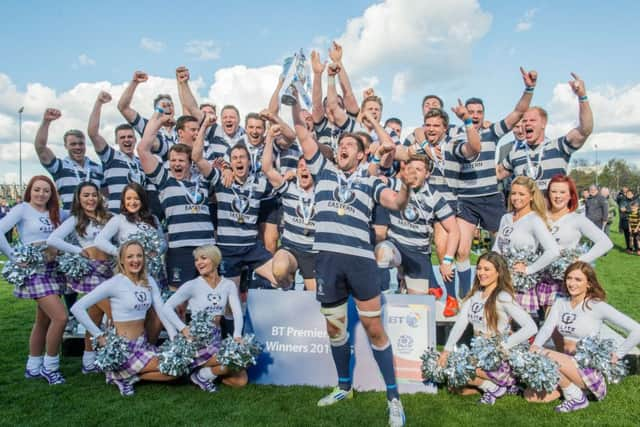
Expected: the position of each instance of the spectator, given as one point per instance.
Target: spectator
(634, 227)
(4, 210)
(582, 202)
(624, 204)
(596, 208)
(611, 208)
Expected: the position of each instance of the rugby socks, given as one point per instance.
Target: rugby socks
(342, 358)
(572, 392)
(207, 374)
(384, 359)
(34, 363)
(88, 359)
(51, 363)
(488, 386)
(464, 277)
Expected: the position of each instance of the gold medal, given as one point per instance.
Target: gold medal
(194, 209)
(340, 211)
(240, 219)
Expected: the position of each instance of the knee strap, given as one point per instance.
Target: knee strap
(387, 255)
(334, 315)
(372, 313)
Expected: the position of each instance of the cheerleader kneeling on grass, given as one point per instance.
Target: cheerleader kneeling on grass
(579, 317)
(489, 308)
(131, 293)
(209, 292)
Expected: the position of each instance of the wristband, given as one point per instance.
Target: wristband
(420, 148)
(159, 110)
(468, 122)
(447, 260)
(583, 98)
(331, 80)
(375, 159)
(529, 89)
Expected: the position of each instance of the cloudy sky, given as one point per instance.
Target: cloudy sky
(60, 54)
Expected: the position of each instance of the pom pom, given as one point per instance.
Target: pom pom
(151, 243)
(175, 356)
(567, 257)
(595, 353)
(460, 367)
(28, 260)
(201, 326)
(239, 355)
(431, 371)
(114, 354)
(535, 370)
(522, 282)
(486, 352)
(74, 266)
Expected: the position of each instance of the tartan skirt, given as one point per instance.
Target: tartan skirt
(42, 284)
(207, 352)
(503, 376)
(528, 300)
(594, 381)
(100, 271)
(547, 290)
(140, 354)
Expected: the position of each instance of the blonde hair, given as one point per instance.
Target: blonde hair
(209, 251)
(537, 203)
(142, 275)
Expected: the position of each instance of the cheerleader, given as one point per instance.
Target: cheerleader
(524, 228)
(580, 315)
(209, 291)
(88, 216)
(135, 216)
(131, 294)
(568, 228)
(35, 219)
(489, 307)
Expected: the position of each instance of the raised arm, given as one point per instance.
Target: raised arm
(350, 101)
(148, 161)
(305, 138)
(578, 136)
(333, 107)
(317, 111)
(274, 101)
(529, 78)
(397, 201)
(45, 155)
(187, 100)
(285, 130)
(124, 104)
(275, 179)
(473, 146)
(93, 129)
(197, 151)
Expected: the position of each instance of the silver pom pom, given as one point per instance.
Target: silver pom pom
(486, 352)
(29, 260)
(115, 352)
(175, 356)
(74, 266)
(151, 243)
(522, 282)
(595, 353)
(535, 370)
(431, 371)
(201, 326)
(460, 367)
(567, 257)
(239, 355)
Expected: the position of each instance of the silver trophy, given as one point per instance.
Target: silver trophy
(296, 73)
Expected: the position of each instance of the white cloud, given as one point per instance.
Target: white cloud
(399, 87)
(151, 45)
(84, 60)
(363, 83)
(427, 38)
(249, 89)
(204, 50)
(526, 22)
